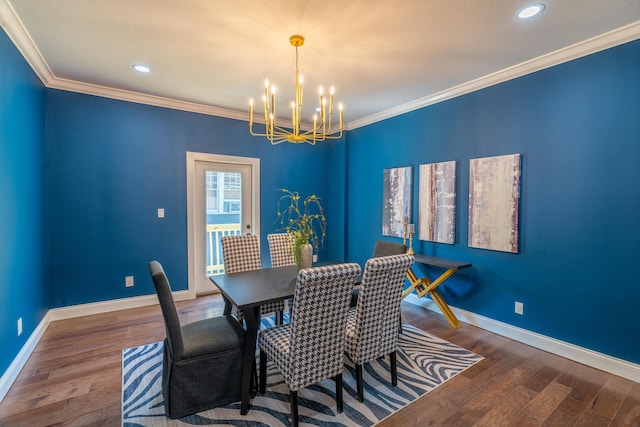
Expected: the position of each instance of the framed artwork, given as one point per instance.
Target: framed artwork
(437, 222)
(494, 196)
(396, 196)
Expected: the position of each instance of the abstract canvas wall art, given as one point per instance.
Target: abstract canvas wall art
(396, 196)
(437, 222)
(494, 195)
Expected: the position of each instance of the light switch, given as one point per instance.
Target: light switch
(160, 212)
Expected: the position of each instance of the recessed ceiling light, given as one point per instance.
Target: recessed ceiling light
(530, 11)
(141, 68)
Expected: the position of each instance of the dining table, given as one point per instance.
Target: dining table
(248, 290)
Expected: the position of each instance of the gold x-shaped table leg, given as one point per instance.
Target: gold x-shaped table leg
(423, 286)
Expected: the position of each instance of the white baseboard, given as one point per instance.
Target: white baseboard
(20, 360)
(582, 355)
(109, 306)
(10, 375)
(615, 366)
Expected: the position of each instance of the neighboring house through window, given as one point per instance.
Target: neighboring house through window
(225, 199)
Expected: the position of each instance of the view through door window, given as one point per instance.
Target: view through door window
(223, 212)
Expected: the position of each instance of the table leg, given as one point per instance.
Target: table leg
(446, 310)
(251, 316)
(423, 286)
(227, 307)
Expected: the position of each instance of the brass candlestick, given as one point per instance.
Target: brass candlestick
(404, 233)
(411, 232)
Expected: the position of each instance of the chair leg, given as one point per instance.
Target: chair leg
(394, 369)
(263, 372)
(254, 379)
(339, 392)
(293, 395)
(359, 383)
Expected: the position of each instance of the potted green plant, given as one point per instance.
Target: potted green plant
(307, 224)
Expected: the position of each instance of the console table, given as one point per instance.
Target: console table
(424, 286)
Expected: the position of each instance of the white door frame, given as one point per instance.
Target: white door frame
(192, 158)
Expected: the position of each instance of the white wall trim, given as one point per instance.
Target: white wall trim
(109, 306)
(20, 360)
(567, 350)
(586, 47)
(24, 43)
(582, 355)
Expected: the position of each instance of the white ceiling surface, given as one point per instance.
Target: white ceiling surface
(381, 56)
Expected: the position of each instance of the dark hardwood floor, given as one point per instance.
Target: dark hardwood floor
(73, 378)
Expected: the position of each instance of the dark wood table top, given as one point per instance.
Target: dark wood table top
(441, 262)
(257, 287)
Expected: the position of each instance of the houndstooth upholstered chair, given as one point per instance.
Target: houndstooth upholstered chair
(282, 255)
(202, 360)
(372, 326)
(280, 248)
(383, 248)
(242, 253)
(311, 347)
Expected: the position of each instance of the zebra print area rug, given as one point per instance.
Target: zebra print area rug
(424, 362)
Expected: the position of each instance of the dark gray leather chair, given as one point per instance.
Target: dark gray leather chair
(202, 363)
(382, 249)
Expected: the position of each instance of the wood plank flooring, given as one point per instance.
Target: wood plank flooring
(73, 378)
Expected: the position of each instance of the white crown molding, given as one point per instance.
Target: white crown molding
(142, 98)
(23, 41)
(604, 41)
(564, 349)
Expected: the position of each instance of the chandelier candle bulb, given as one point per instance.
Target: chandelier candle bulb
(273, 101)
(300, 85)
(315, 125)
(266, 111)
(331, 101)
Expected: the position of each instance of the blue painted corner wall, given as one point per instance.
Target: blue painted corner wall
(577, 126)
(112, 164)
(23, 220)
(81, 178)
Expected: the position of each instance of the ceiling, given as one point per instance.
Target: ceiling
(383, 57)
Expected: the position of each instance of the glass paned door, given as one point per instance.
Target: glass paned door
(223, 208)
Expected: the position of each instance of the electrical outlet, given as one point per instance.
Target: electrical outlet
(128, 281)
(519, 309)
(315, 257)
(20, 326)
(160, 212)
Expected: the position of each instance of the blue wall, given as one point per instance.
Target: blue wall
(578, 128)
(112, 164)
(23, 256)
(108, 165)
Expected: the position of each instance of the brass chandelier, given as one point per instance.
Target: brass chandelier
(321, 125)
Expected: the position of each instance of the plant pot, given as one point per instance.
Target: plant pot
(306, 256)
